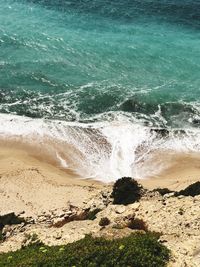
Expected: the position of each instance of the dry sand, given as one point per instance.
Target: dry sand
(30, 184)
(33, 184)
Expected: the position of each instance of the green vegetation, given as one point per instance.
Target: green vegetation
(91, 215)
(137, 224)
(31, 238)
(191, 190)
(141, 250)
(10, 219)
(104, 221)
(1, 236)
(126, 191)
(118, 226)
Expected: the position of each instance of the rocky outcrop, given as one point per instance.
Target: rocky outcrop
(177, 219)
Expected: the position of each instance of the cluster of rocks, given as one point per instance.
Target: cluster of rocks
(13, 223)
(176, 217)
(101, 200)
(58, 217)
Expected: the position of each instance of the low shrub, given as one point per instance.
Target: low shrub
(10, 219)
(118, 226)
(126, 191)
(191, 190)
(31, 238)
(104, 221)
(1, 236)
(141, 250)
(91, 215)
(137, 224)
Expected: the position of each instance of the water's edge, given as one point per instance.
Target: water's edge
(103, 151)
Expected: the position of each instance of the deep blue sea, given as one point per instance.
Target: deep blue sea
(112, 81)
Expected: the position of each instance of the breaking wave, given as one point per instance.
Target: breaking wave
(106, 150)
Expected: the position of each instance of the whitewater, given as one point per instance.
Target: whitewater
(106, 88)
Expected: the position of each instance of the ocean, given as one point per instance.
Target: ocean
(106, 87)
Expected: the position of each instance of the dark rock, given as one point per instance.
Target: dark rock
(104, 221)
(191, 190)
(9, 219)
(196, 121)
(162, 191)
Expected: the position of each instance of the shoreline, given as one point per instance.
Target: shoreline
(55, 205)
(34, 183)
(104, 152)
(184, 170)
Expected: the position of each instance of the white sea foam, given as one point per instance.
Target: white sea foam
(103, 150)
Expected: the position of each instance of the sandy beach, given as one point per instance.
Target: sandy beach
(30, 184)
(100, 132)
(184, 170)
(33, 184)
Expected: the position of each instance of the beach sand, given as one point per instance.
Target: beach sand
(32, 184)
(183, 171)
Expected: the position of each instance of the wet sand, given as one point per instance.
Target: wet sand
(33, 183)
(183, 171)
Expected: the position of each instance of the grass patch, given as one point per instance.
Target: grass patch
(141, 250)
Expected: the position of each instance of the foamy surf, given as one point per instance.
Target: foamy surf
(103, 151)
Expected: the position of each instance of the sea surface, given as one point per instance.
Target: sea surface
(110, 85)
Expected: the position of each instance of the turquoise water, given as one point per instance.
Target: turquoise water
(74, 60)
(133, 62)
